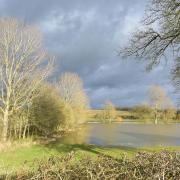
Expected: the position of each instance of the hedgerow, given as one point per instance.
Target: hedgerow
(145, 166)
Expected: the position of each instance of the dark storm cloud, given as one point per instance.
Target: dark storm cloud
(84, 35)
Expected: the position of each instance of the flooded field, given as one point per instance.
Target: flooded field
(133, 135)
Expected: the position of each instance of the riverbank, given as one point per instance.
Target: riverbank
(23, 158)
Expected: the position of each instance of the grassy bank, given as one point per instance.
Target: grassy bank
(24, 157)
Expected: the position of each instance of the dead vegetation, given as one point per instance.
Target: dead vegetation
(145, 166)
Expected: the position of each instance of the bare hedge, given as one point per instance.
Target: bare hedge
(144, 166)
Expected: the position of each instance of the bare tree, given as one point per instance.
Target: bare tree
(109, 112)
(159, 34)
(159, 101)
(71, 90)
(23, 65)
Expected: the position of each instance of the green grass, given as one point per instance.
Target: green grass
(25, 156)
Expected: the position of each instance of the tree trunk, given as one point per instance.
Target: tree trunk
(15, 132)
(24, 132)
(156, 115)
(28, 131)
(20, 129)
(156, 120)
(5, 125)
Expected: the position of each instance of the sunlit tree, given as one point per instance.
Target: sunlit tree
(24, 64)
(109, 112)
(159, 101)
(49, 113)
(71, 90)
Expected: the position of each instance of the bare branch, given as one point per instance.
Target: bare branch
(161, 32)
(24, 64)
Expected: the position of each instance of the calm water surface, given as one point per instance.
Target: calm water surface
(133, 135)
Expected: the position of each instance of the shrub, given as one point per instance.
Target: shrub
(169, 114)
(178, 117)
(143, 112)
(49, 113)
(145, 166)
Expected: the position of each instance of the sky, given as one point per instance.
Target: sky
(85, 36)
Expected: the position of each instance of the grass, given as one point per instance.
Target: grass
(24, 157)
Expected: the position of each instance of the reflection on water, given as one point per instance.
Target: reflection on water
(126, 135)
(79, 137)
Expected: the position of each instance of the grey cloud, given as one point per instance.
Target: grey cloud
(84, 36)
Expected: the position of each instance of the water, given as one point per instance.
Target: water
(133, 135)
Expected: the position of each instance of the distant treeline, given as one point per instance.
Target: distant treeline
(158, 108)
(140, 112)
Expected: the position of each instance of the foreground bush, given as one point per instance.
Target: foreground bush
(49, 113)
(146, 166)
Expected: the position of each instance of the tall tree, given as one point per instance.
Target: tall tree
(24, 64)
(159, 101)
(109, 113)
(71, 89)
(72, 92)
(159, 34)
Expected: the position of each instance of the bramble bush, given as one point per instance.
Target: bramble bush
(144, 166)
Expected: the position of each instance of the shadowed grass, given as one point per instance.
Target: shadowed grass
(24, 157)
